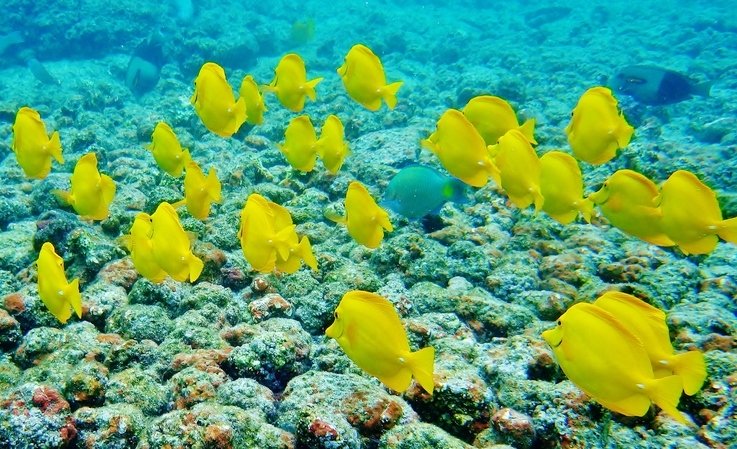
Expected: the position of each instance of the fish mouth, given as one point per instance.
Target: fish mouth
(552, 338)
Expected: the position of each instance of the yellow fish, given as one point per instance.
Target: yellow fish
(332, 147)
(597, 128)
(34, 148)
(255, 106)
(91, 192)
(370, 332)
(200, 191)
(215, 103)
(462, 150)
(59, 296)
(605, 360)
(290, 83)
(561, 185)
(140, 245)
(300, 144)
(365, 220)
(493, 117)
(647, 323)
(520, 169)
(268, 237)
(167, 150)
(627, 200)
(364, 79)
(171, 246)
(691, 214)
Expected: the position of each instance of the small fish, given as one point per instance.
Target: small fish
(417, 191)
(300, 144)
(255, 106)
(40, 73)
(627, 200)
(331, 146)
(561, 185)
(546, 15)
(200, 191)
(493, 116)
(140, 244)
(32, 146)
(364, 79)
(520, 169)
(364, 219)
(691, 214)
(303, 31)
(605, 360)
(215, 103)
(59, 296)
(91, 192)
(269, 240)
(171, 246)
(648, 324)
(167, 151)
(656, 86)
(462, 150)
(144, 66)
(597, 128)
(290, 83)
(368, 329)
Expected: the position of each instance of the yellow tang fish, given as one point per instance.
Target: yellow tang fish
(91, 192)
(255, 106)
(648, 324)
(34, 148)
(268, 237)
(370, 332)
(493, 117)
(215, 103)
(462, 150)
(597, 128)
(561, 185)
(299, 147)
(365, 220)
(290, 83)
(140, 245)
(167, 150)
(627, 200)
(200, 191)
(691, 214)
(171, 246)
(59, 296)
(299, 249)
(332, 147)
(605, 360)
(520, 169)
(364, 79)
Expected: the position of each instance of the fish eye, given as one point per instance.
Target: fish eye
(559, 323)
(335, 315)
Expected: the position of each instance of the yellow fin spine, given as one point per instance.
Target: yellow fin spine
(389, 93)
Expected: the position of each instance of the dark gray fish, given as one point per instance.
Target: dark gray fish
(39, 71)
(542, 16)
(144, 67)
(656, 86)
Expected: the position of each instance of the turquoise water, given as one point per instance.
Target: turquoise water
(238, 358)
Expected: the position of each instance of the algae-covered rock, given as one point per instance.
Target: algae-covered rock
(35, 416)
(140, 388)
(140, 322)
(420, 434)
(94, 425)
(192, 385)
(208, 425)
(327, 410)
(277, 350)
(249, 395)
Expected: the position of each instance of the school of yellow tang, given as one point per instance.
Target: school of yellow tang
(617, 349)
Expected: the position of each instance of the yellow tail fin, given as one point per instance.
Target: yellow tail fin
(728, 230)
(214, 189)
(310, 88)
(665, 393)
(239, 114)
(75, 298)
(389, 93)
(586, 208)
(63, 197)
(195, 268)
(528, 129)
(692, 369)
(55, 147)
(305, 250)
(422, 365)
